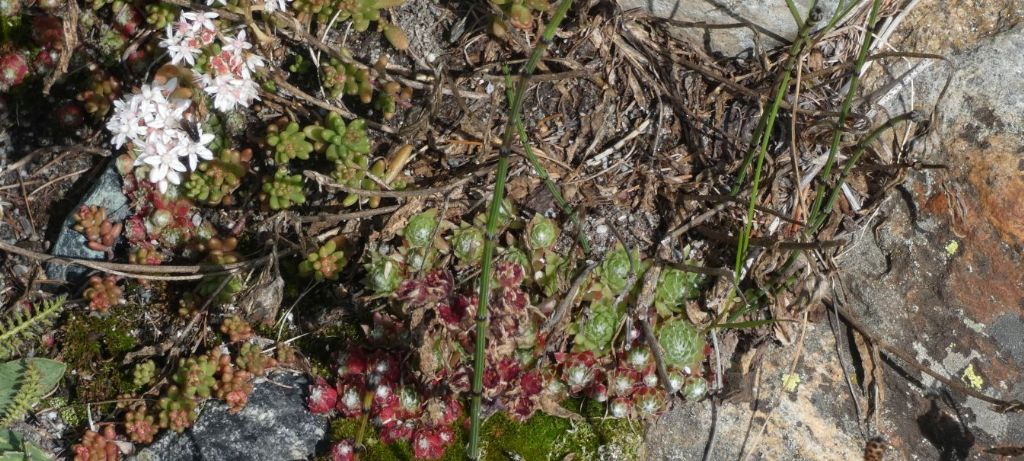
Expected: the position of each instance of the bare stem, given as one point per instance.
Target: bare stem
(515, 105)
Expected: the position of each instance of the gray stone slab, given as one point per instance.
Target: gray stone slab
(274, 426)
(107, 193)
(771, 20)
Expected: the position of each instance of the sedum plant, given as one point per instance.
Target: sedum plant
(324, 263)
(345, 79)
(289, 142)
(100, 234)
(283, 190)
(214, 180)
(102, 293)
(338, 141)
(363, 12)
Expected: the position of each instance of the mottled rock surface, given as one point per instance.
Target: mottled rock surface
(939, 273)
(106, 192)
(944, 277)
(274, 426)
(768, 19)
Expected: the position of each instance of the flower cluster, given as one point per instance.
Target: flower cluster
(153, 120)
(226, 71)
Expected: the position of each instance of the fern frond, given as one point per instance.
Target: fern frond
(25, 398)
(20, 326)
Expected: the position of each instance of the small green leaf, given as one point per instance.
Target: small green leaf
(50, 372)
(13, 448)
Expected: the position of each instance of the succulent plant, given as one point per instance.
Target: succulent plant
(127, 19)
(222, 288)
(520, 12)
(176, 411)
(383, 274)
(170, 220)
(649, 401)
(681, 343)
(323, 9)
(140, 426)
(340, 142)
(392, 96)
(97, 446)
(236, 328)
(322, 397)
(195, 376)
(541, 232)
(13, 70)
(431, 442)
(695, 388)
(100, 93)
(599, 327)
(352, 172)
(102, 293)
(324, 263)
(143, 374)
(145, 253)
(350, 399)
(616, 268)
(233, 385)
(285, 354)
(363, 12)
(221, 251)
(420, 229)
(100, 234)
(343, 450)
(289, 142)
(346, 79)
(283, 190)
(468, 244)
(253, 360)
(675, 287)
(160, 15)
(396, 37)
(213, 181)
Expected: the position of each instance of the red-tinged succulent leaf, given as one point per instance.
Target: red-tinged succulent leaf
(428, 444)
(343, 451)
(349, 399)
(322, 397)
(509, 274)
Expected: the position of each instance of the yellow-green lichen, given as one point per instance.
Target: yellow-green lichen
(790, 381)
(951, 248)
(972, 378)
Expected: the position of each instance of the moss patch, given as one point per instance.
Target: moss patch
(94, 346)
(542, 437)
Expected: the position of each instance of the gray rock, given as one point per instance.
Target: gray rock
(107, 193)
(274, 426)
(770, 19)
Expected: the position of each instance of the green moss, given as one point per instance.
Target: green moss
(542, 437)
(94, 346)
